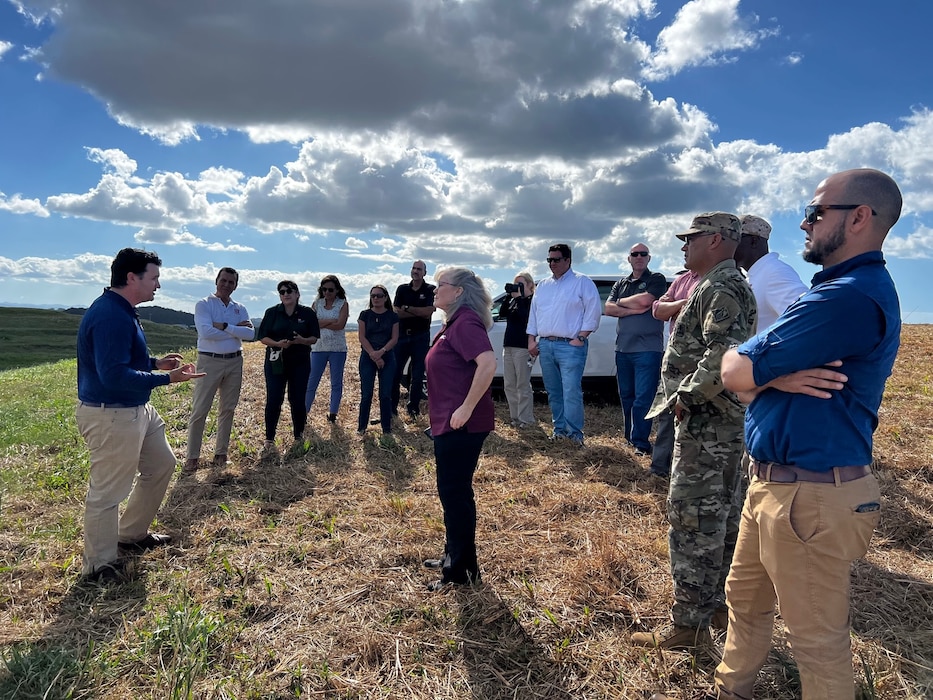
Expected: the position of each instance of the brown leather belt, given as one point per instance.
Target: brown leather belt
(788, 473)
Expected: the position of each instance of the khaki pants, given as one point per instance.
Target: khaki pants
(796, 543)
(124, 444)
(516, 379)
(225, 375)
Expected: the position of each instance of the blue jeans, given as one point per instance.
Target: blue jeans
(637, 374)
(415, 347)
(562, 371)
(319, 361)
(368, 372)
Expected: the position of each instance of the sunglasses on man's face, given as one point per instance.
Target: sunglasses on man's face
(553, 261)
(814, 212)
(639, 253)
(284, 291)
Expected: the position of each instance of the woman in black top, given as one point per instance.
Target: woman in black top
(378, 336)
(288, 330)
(516, 362)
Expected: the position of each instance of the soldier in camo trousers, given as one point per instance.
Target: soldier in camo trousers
(703, 505)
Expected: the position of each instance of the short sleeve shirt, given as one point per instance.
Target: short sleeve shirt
(450, 368)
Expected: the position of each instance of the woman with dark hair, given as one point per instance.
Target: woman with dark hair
(288, 330)
(516, 361)
(378, 329)
(332, 313)
(460, 367)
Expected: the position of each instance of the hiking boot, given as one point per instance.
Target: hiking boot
(191, 465)
(720, 619)
(674, 637)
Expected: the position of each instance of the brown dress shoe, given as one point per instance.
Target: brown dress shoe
(191, 465)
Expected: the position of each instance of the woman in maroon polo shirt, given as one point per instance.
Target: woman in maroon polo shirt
(460, 366)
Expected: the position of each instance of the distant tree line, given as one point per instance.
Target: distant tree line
(156, 314)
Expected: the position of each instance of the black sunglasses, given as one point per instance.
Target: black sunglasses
(553, 261)
(814, 212)
(287, 290)
(377, 296)
(637, 253)
(328, 290)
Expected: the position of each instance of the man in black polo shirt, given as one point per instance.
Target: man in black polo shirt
(414, 304)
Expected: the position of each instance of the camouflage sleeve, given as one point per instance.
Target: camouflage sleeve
(725, 323)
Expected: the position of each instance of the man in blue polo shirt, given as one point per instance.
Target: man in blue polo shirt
(813, 502)
(124, 434)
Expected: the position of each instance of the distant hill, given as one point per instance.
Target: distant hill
(158, 314)
(34, 336)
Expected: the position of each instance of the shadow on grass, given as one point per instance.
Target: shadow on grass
(61, 664)
(502, 660)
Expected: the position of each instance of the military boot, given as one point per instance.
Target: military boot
(674, 637)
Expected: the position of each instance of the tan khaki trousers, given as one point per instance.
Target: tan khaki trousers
(124, 444)
(226, 376)
(796, 543)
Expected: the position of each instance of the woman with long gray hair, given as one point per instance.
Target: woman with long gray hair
(460, 366)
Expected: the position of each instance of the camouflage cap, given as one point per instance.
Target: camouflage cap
(715, 222)
(755, 226)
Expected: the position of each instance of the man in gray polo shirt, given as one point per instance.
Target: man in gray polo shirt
(639, 344)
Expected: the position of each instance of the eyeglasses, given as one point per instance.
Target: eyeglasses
(288, 290)
(328, 290)
(448, 284)
(380, 295)
(553, 261)
(639, 253)
(694, 236)
(814, 212)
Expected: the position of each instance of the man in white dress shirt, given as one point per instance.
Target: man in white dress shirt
(222, 325)
(775, 284)
(564, 311)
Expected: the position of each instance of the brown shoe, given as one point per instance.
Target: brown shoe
(220, 460)
(673, 637)
(720, 619)
(191, 465)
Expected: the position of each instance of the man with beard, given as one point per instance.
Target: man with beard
(813, 501)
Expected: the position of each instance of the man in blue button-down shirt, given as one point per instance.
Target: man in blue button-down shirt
(813, 502)
(124, 434)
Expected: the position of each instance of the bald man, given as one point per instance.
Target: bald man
(813, 501)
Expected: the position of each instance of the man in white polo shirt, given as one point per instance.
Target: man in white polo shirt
(222, 325)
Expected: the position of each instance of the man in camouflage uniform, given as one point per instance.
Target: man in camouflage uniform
(703, 501)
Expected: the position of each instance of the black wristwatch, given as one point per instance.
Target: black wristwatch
(581, 338)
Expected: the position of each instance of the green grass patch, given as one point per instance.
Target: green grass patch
(31, 337)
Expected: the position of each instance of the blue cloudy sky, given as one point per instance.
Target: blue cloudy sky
(295, 138)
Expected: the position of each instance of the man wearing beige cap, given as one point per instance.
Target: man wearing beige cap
(702, 503)
(775, 283)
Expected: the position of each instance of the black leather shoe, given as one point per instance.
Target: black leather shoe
(150, 541)
(433, 563)
(114, 572)
(440, 585)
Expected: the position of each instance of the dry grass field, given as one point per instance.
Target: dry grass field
(301, 577)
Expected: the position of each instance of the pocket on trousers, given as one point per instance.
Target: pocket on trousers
(804, 514)
(703, 514)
